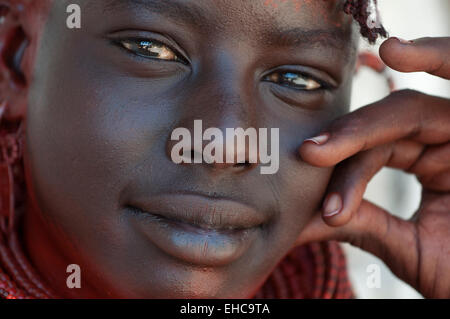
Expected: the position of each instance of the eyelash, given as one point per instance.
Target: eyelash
(142, 47)
(288, 78)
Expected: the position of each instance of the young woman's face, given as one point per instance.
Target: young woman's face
(99, 123)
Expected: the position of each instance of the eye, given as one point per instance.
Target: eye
(152, 49)
(293, 80)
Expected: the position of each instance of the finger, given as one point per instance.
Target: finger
(376, 231)
(370, 222)
(432, 164)
(440, 182)
(433, 170)
(350, 177)
(349, 180)
(348, 184)
(317, 230)
(403, 114)
(430, 55)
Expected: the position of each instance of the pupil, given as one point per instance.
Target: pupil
(290, 76)
(146, 44)
(150, 48)
(294, 79)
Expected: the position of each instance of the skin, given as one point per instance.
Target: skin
(95, 140)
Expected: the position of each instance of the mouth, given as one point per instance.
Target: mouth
(196, 229)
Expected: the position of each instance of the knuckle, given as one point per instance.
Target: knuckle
(349, 125)
(413, 103)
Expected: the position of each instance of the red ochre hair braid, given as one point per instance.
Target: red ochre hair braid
(361, 11)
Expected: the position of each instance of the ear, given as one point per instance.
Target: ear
(13, 43)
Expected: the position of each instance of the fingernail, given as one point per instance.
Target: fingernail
(403, 41)
(319, 140)
(332, 205)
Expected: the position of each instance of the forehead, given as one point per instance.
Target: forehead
(243, 17)
(317, 11)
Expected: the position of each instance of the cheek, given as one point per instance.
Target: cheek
(87, 133)
(301, 188)
(69, 153)
(86, 141)
(306, 187)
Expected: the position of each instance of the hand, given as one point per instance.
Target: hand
(410, 131)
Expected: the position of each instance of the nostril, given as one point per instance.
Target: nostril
(245, 164)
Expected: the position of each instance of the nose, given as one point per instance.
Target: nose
(223, 148)
(220, 114)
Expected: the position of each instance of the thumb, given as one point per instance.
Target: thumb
(376, 231)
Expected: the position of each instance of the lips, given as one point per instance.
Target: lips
(196, 229)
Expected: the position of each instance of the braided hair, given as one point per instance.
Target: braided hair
(365, 13)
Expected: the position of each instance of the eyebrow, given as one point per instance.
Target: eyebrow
(175, 10)
(299, 36)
